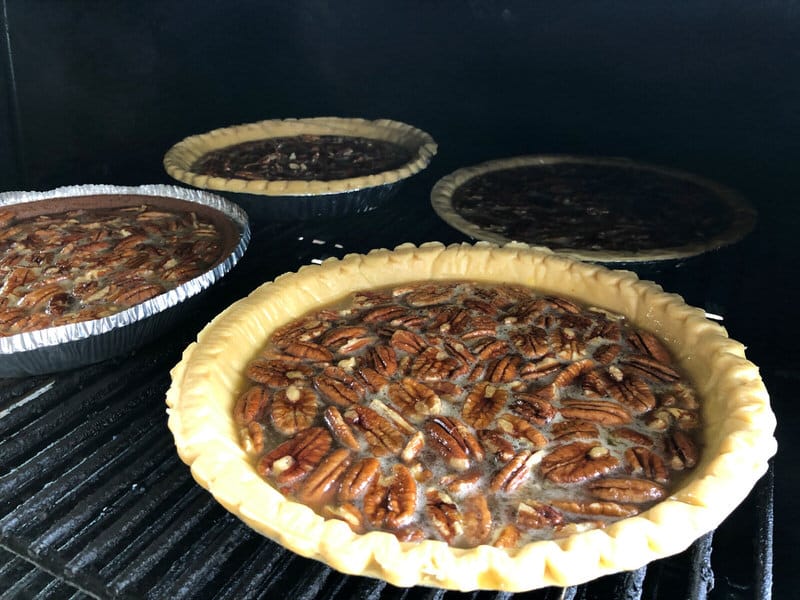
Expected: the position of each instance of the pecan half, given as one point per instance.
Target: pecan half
(454, 443)
(278, 373)
(414, 399)
(646, 463)
(382, 359)
(435, 364)
(495, 442)
(624, 489)
(293, 409)
(382, 436)
(597, 509)
(597, 411)
(297, 456)
(308, 351)
(339, 387)
(534, 407)
(477, 520)
(443, 515)
(503, 369)
(322, 484)
(348, 513)
(340, 429)
(358, 478)
(304, 330)
(522, 430)
(483, 404)
(576, 462)
(650, 368)
(508, 537)
(513, 474)
(401, 498)
(531, 342)
(682, 451)
(574, 430)
(408, 342)
(646, 343)
(537, 515)
(252, 405)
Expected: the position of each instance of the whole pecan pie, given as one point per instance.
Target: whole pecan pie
(304, 167)
(471, 417)
(592, 208)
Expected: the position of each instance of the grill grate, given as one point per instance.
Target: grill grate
(94, 501)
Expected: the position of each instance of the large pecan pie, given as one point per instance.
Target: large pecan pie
(471, 417)
(304, 166)
(599, 209)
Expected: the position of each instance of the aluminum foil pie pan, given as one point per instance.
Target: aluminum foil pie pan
(78, 344)
(294, 199)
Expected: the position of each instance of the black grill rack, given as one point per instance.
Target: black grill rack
(94, 501)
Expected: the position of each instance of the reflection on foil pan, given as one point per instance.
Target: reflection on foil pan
(73, 345)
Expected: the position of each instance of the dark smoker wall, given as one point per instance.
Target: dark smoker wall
(96, 91)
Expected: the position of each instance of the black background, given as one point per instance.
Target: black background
(96, 91)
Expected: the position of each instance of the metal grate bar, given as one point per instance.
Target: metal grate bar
(765, 502)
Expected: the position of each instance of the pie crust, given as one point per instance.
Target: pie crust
(180, 159)
(706, 215)
(738, 422)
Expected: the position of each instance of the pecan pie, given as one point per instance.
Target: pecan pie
(471, 417)
(93, 260)
(603, 209)
(301, 157)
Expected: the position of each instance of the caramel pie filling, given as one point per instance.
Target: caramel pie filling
(592, 207)
(77, 265)
(470, 413)
(304, 158)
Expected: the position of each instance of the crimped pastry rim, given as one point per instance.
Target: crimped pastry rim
(743, 221)
(179, 159)
(739, 422)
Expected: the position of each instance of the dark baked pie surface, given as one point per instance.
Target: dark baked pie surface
(593, 208)
(303, 157)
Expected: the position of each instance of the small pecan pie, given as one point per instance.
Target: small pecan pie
(93, 261)
(471, 417)
(301, 157)
(600, 209)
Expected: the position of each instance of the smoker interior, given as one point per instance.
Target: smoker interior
(94, 501)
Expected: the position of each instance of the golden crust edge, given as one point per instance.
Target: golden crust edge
(733, 461)
(178, 159)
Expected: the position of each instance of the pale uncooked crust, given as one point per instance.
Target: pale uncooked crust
(180, 158)
(743, 216)
(739, 423)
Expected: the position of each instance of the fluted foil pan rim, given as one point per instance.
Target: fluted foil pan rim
(54, 337)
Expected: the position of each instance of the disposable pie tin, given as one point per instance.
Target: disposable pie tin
(293, 199)
(74, 345)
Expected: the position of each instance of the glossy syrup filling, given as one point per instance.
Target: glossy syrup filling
(470, 413)
(304, 158)
(82, 264)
